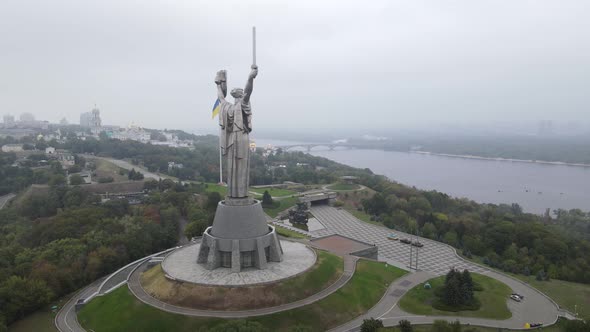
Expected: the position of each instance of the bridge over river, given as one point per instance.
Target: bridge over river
(310, 146)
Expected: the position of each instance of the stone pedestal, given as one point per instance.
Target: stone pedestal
(239, 238)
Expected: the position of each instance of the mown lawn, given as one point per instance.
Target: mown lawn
(41, 321)
(105, 168)
(289, 233)
(212, 187)
(327, 269)
(120, 311)
(344, 186)
(493, 299)
(280, 205)
(274, 192)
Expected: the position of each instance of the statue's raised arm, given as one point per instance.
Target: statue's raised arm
(250, 83)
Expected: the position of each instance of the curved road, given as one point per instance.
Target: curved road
(66, 319)
(5, 199)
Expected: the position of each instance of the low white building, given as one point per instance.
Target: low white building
(50, 150)
(12, 147)
(172, 165)
(66, 160)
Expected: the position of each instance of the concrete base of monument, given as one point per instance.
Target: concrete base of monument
(239, 238)
(181, 265)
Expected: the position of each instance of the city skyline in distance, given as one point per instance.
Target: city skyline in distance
(384, 65)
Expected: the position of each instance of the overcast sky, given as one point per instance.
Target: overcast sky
(323, 64)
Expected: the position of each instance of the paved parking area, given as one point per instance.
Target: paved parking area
(435, 258)
(339, 244)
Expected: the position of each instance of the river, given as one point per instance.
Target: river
(534, 187)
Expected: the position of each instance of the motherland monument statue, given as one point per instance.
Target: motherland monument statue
(235, 121)
(239, 237)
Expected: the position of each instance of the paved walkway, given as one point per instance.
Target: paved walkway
(389, 300)
(5, 199)
(435, 259)
(135, 287)
(66, 319)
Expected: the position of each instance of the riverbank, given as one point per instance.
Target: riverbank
(466, 156)
(533, 185)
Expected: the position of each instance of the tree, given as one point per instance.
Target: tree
(458, 289)
(100, 262)
(467, 286)
(106, 179)
(371, 325)
(451, 294)
(22, 296)
(75, 169)
(76, 180)
(298, 328)
(455, 326)
(150, 184)
(412, 226)
(166, 184)
(416, 204)
(3, 327)
(405, 326)
(213, 198)
(440, 325)
(429, 230)
(41, 145)
(266, 199)
(134, 175)
(450, 237)
(375, 205)
(74, 197)
(195, 228)
(57, 180)
(157, 136)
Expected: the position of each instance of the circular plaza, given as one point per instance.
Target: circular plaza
(181, 265)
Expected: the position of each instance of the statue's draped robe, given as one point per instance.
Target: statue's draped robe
(236, 124)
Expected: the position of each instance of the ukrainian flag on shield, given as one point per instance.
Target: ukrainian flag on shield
(216, 108)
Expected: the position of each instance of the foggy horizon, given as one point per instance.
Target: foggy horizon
(322, 65)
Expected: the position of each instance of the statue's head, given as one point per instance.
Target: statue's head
(237, 93)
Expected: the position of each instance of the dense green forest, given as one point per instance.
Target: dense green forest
(57, 240)
(502, 235)
(17, 178)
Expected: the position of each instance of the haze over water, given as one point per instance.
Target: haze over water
(484, 181)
